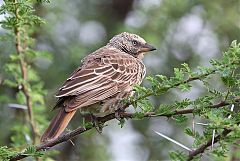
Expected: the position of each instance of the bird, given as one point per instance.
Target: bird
(104, 78)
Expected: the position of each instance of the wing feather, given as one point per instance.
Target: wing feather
(95, 95)
(102, 75)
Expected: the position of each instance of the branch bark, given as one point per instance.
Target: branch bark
(23, 66)
(74, 133)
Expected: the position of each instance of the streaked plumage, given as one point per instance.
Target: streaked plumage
(104, 78)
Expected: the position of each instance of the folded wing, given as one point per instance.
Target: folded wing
(101, 76)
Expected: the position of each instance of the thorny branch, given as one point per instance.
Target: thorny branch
(74, 133)
(20, 51)
(190, 79)
(204, 146)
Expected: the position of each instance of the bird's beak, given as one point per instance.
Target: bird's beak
(146, 48)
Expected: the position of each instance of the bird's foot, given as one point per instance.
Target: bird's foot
(98, 126)
(118, 113)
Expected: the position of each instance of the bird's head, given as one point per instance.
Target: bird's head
(131, 44)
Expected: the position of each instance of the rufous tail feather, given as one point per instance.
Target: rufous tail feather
(57, 125)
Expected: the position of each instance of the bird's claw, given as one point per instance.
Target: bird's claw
(98, 126)
(118, 113)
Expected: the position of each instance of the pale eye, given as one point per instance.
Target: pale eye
(134, 42)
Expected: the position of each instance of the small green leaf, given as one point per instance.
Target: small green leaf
(180, 118)
(178, 156)
(189, 132)
(138, 115)
(185, 87)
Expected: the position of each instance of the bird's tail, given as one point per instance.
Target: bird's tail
(57, 125)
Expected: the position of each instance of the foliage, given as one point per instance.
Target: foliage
(6, 153)
(21, 21)
(219, 117)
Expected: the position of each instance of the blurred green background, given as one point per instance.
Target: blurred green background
(190, 31)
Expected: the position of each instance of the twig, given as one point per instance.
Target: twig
(47, 145)
(74, 133)
(23, 66)
(212, 141)
(177, 84)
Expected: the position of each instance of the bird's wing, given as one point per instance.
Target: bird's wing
(101, 76)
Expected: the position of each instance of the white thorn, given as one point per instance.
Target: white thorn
(232, 108)
(17, 106)
(213, 137)
(174, 141)
(72, 142)
(27, 137)
(193, 124)
(199, 123)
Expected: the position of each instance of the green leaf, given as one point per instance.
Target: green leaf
(178, 156)
(121, 122)
(189, 132)
(185, 87)
(21, 98)
(178, 74)
(6, 153)
(10, 83)
(180, 118)
(186, 68)
(138, 115)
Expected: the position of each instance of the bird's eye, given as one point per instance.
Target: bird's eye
(134, 42)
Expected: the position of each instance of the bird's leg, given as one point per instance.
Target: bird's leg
(118, 112)
(84, 123)
(89, 120)
(98, 126)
